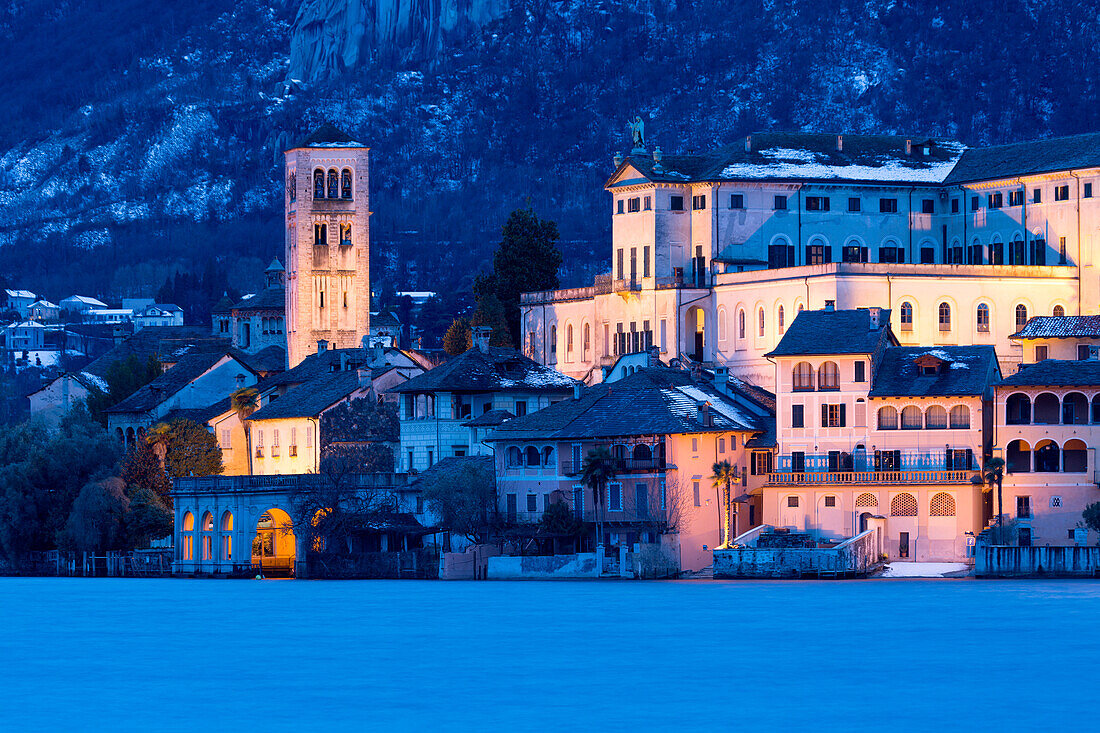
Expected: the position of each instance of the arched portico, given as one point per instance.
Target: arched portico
(274, 547)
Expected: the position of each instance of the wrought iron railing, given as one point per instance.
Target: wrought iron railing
(871, 477)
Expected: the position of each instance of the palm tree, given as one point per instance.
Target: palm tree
(244, 402)
(994, 474)
(721, 477)
(598, 468)
(157, 439)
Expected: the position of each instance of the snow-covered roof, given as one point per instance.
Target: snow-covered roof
(20, 294)
(43, 304)
(86, 300)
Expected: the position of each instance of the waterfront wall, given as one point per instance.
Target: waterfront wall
(999, 561)
(581, 565)
(856, 556)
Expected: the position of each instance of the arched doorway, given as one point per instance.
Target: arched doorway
(695, 326)
(274, 548)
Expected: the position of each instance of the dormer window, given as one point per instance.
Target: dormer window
(928, 365)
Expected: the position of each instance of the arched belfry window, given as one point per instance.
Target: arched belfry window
(333, 184)
(318, 184)
(345, 235)
(345, 184)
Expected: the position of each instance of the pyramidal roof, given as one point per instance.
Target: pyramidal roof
(329, 136)
(275, 266)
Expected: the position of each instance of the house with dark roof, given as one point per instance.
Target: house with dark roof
(1047, 427)
(62, 393)
(437, 405)
(1059, 337)
(158, 314)
(195, 380)
(874, 434)
(664, 430)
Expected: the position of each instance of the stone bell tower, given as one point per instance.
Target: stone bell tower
(327, 203)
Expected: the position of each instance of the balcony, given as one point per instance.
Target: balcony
(856, 478)
(605, 516)
(627, 285)
(619, 465)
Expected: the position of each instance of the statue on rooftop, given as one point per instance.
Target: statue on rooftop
(637, 132)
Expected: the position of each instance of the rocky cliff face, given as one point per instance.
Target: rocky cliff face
(331, 37)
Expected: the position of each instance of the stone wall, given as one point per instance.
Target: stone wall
(998, 561)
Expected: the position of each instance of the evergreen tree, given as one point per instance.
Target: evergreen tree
(490, 312)
(142, 469)
(457, 339)
(192, 451)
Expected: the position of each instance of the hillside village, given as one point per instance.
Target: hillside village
(813, 356)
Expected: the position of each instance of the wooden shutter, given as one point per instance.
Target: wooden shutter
(843, 414)
(824, 416)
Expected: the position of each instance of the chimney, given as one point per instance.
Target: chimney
(908, 147)
(830, 306)
(480, 336)
(322, 346)
(653, 356)
(721, 376)
(364, 376)
(702, 410)
(748, 143)
(578, 390)
(343, 361)
(840, 143)
(875, 314)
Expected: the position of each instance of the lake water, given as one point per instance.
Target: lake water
(197, 655)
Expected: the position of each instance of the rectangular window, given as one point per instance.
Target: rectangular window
(226, 441)
(1015, 198)
(721, 445)
(994, 200)
(695, 492)
(1086, 191)
(954, 206)
(431, 458)
(888, 206)
(1037, 196)
(761, 463)
(1056, 503)
(737, 201)
(1023, 507)
(647, 203)
(817, 203)
(830, 501)
(854, 253)
(1061, 250)
(854, 204)
(815, 254)
(521, 408)
(832, 416)
(792, 502)
(698, 203)
(927, 256)
(645, 261)
(780, 255)
(973, 203)
(798, 462)
(532, 502)
(1040, 353)
(619, 206)
(694, 445)
(780, 203)
(1061, 193)
(1083, 353)
(927, 206)
(861, 375)
(634, 205)
(798, 416)
(676, 203)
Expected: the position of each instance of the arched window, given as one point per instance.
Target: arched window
(828, 376)
(227, 536)
(942, 505)
(333, 184)
(553, 341)
(741, 324)
(318, 184)
(1047, 409)
(887, 418)
(907, 316)
(960, 417)
(188, 549)
(569, 340)
(345, 235)
(1047, 459)
(1018, 409)
(1075, 409)
(1059, 311)
(935, 418)
(981, 322)
(1021, 316)
(1018, 457)
(760, 322)
(723, 330)
(903, 505)
(866, 499)
(803, 377)
(586, 341)
(1096, 410)
(779, 319)
(345, 184)
(515, 457)
(945, 316)
(548, 456)
(532, 455)
(320, 234)
(1075, 457)
(642, 452)
(911, 418)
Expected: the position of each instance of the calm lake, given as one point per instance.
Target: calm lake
(197, 655)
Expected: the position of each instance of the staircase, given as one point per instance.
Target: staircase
(706, 573)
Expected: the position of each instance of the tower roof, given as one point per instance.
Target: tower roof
(329, 136)
(275, 266)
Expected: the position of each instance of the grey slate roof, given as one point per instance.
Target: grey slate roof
(489, 419)
(823, 332)
(808, 156)
(1052, 327)
(501, 370)
(311, 399)
(183, 372)
(268, 359)
(652, 401)
(162, 342)
(328, 135)
(1026, 158)
(970, 371)
(1056, 373)
(273, 298)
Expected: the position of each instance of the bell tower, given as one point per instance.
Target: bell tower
(327, 204)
